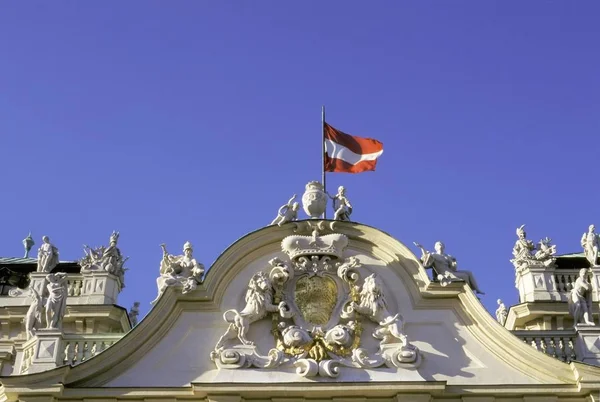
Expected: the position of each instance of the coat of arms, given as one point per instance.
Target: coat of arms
(317, 302)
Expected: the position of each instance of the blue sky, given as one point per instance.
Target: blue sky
(196, 120)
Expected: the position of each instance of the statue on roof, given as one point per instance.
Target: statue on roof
(445, 267)
(47, 257)
(501, 313)
(181, 270)
(112, 260)
(56, 303)
(314, 199)
(580, 300)
(590, 241)
(104, 258)
(133, 314)
(28, 243)
(33, 318)
(525, 253)
(287, 213)
(341, 205)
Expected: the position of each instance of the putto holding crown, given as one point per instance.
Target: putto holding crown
(181, 270)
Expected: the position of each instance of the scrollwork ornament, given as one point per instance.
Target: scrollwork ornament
(317, 308)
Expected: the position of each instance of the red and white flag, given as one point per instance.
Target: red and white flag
(350, 154)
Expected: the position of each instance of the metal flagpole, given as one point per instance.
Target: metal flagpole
(323, 156)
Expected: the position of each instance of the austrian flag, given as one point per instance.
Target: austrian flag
(349, 154)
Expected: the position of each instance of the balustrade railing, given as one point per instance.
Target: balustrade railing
(27, 357)
(558, 344)
(79, 348)
(74, 287)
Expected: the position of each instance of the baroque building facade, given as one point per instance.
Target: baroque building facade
(314, 309)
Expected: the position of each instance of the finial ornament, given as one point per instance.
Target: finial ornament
(445, 268)
(314, 200)
(590, 241)
(28, 243)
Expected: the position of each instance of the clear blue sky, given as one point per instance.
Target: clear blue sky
(196, 120)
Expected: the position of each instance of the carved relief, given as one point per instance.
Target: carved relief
(317, 304)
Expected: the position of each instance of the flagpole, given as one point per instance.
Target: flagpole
(323, 156)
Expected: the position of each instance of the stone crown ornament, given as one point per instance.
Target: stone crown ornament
(332, 245)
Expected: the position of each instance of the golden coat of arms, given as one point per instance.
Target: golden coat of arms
(317, 305)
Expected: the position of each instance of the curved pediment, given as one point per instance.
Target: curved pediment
(342, 303)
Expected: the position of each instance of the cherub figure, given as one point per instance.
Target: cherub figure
(287, 213)
(341, 205)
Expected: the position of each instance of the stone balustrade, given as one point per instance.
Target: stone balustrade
(50, 349)
(539, 283)
(27, 357)
(558, 344)
(79, 348)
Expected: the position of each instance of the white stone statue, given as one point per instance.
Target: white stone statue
(112, 261)
(47, 257)
(103, 258)
(134, 312)
(580, 300)
(314, 199)
(287, 213)
(373, 306)
(445, 267)
(525, 253)
(341, 205)
(523, 248)
(259, 302)
(546, 250)
(33, 318)
(590, 242)
(181, 270)
(56, 304)
(501, 313)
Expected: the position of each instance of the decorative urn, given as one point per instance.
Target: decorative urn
(28, 243)
(314, 200)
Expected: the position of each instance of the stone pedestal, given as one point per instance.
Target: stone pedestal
(100, 287)
(587, 344)
(536, 283)
(38, 279)
(47, 348)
